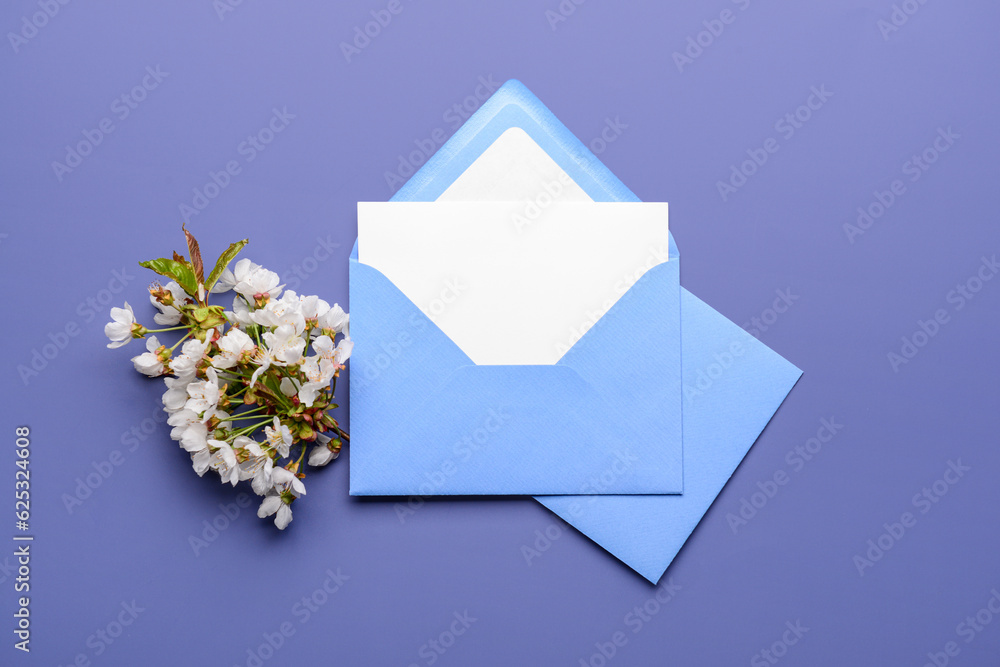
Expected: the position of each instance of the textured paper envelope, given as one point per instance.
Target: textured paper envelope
(480, 391)
(720, 425)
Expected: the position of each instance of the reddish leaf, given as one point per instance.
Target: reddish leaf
(195, 252)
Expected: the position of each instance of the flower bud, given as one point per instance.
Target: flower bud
(161, 294)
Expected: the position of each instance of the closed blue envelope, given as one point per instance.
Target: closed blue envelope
(720, 421)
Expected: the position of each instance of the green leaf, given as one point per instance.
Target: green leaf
(223, 262)
(208, 317)
(182, 274)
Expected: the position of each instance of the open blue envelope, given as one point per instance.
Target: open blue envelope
(606, 419)
(720, 421)
(425, 420)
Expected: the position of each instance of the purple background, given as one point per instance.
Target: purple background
(61, 241)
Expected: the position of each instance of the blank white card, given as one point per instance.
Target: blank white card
(514, 282)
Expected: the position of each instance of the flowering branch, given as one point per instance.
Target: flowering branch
(270, 361)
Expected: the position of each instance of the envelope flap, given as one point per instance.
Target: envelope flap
(395, 344)
(514, 106)
(638, 341)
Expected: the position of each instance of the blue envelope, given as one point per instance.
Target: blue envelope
(721, 421)
(426, 420)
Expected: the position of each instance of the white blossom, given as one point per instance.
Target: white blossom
(285, 311)
(288, 387)
(313, 308)
(148, 363)
(257, 281)
(229, 279)
(337, 354)
(275, 504)
(185, 365)
(256, 466)
(215, 369)
(279, 437)
(119, 329)
(318, 372)
(287, 487)
(223, 461)
(169, 315)
(281, 347)
(286, 480)
(343, 351)
(231, 347)
(240, 313)
(322, 453)
(204, 395)
(180, 420)
(195, 437)
(176, 395)
(335, 319)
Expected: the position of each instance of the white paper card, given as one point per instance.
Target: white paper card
(514, 168)
(503, 292)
